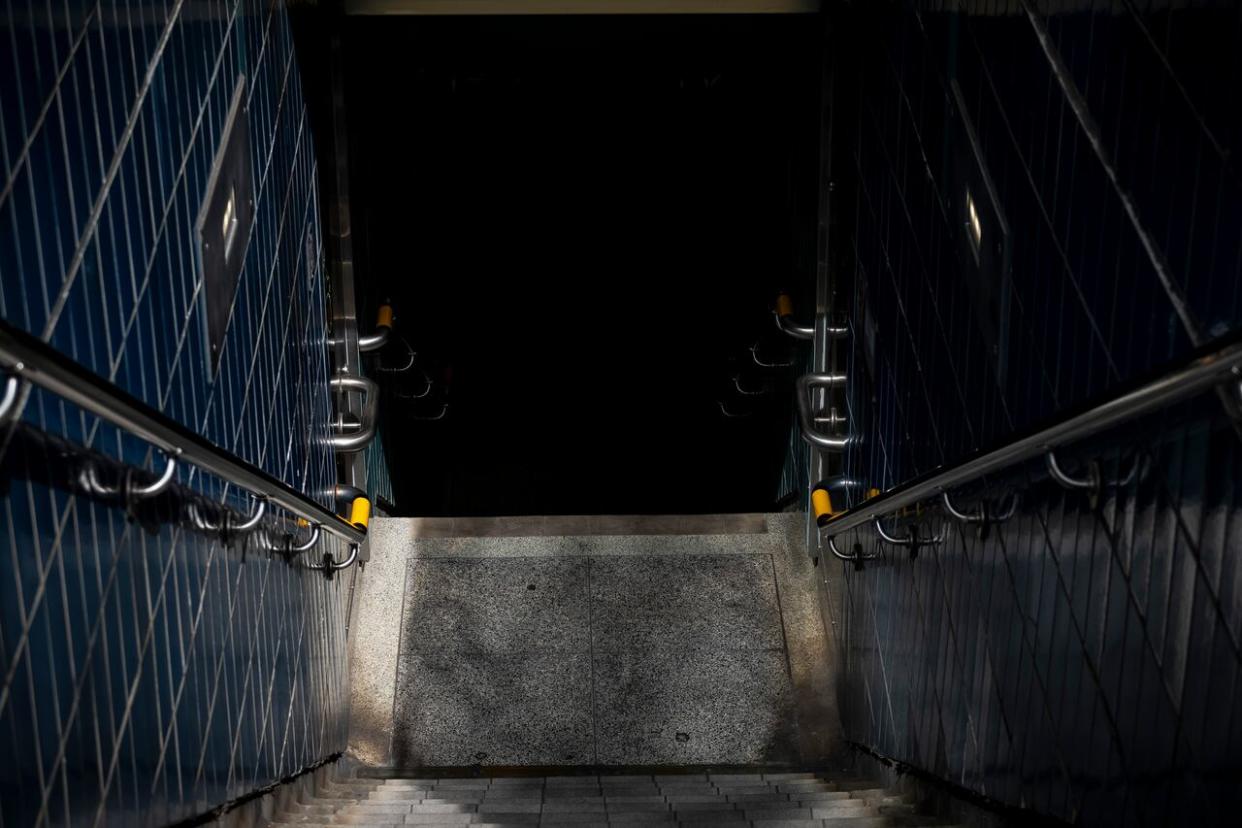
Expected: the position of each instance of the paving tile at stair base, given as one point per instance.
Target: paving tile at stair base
(376, 809)
(367, 819)
(690, 708)
(777, 813)
(453, 796)
(524, 807)
(555, 807)
(496, 605)
(691, 601)
(801, 785)
(456, 709)
(740, 792)
(616, 809)
(767, 805)
(820, 796)
(681, 800)
(517, 806)
(396, 793)
(437, 808)
(824, 810)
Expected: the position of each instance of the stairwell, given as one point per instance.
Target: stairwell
(763, 800)
(594, 671)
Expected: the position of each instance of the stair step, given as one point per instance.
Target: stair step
(791, 799)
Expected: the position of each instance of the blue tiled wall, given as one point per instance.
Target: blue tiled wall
(149, 676)
(1079, 661)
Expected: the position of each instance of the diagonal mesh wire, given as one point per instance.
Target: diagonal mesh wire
(148, 674)
(1078, 660)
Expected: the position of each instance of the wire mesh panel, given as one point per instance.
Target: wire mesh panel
(150, 672)
(1044, 205)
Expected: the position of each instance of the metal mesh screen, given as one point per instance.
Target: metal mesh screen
(1043, 206)
(151, 673)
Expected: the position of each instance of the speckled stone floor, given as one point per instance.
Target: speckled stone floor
(601, 649)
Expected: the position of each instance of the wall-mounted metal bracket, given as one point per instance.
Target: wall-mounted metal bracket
(807, 418)
(350, 435)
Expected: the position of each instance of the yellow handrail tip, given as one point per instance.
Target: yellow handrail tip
(360, 512)
(821, 502)
(383, 319)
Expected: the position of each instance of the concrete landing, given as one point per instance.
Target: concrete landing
(589, 650)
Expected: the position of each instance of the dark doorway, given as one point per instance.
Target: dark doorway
(582, 223)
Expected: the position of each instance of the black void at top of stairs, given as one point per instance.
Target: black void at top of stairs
(582, 224)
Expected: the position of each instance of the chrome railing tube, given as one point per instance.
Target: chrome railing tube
(374, 341)
(32, 360)
(1212, 365)
(806, 415)
(348, 436)
(786, 324)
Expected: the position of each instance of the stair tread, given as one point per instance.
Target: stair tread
(793, 799)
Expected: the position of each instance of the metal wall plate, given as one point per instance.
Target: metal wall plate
(224, 224)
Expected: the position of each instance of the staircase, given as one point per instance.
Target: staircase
(596, 642)
(592, 671)
(733, 800)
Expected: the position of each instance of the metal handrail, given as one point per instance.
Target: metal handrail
(983, 514)
(375, 340)
(346, 438)
(806, 416)
(1208, 366)
(783, 313)
(36, 362)
(90, 481)
(786, 324)
(754, 355)
(378, 338)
